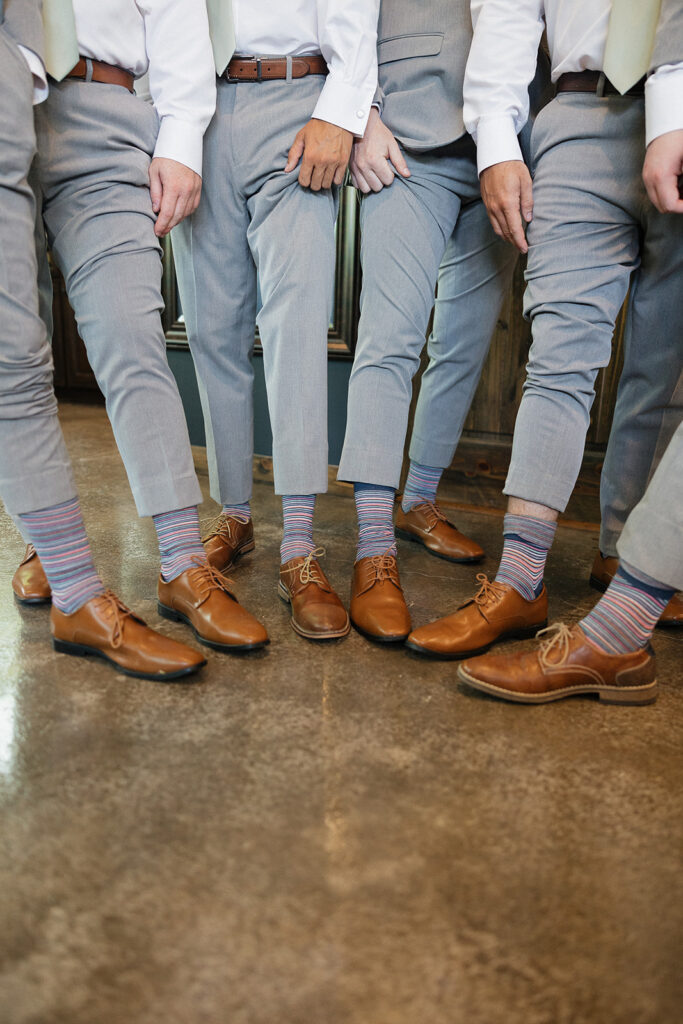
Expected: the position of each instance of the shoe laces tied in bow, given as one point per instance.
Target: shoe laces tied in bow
(114, 609)
(554, 648)
(384, 567)
(221, 526)
(489, 590)
(309, 570)
(432, 513)
(207, 578)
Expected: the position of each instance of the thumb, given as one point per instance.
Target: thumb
(397, 159)
(295, 153)
(527, 196)
(155, 187)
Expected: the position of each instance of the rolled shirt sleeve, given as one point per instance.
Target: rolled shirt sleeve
(182, 77)
(501, 65)
(664, 101)
(348, 42)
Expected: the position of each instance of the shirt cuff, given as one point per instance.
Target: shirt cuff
(664, 101)
(37, 69)
(347, 106)
(181, 141)
(496, 141)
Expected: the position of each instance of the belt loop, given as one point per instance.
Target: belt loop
(289, 69)
(602, 82)
(88, 69)
(259, 76)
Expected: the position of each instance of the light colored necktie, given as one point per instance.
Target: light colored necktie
(222, 29)
(630, 41)
(61, 42)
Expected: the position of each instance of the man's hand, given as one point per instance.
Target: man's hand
(325, 149)
(507, 194)
(373, 155)
(175, 190)
(662, 169)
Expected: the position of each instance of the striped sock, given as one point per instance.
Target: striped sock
(240, 512)
(180, 544)
(58, 535)
(525, 549)
(624, 618)
(297, 517)
(375, 508)
(421, 485)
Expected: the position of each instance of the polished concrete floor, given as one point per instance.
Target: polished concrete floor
(326, 834)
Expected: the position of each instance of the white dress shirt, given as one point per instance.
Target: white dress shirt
(37, 69)
(344, 31)
(170, 38)
(502, 63)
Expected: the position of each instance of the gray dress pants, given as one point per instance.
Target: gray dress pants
(406, 230)
(35, 471)
(256, 220)
(593, 227)
(95, 143)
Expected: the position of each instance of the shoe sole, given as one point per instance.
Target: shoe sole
(81, 651)
(398, 639)
(283, 594)
(639, 695)
(404, 535)
(236, 557)
(32, 600)
(598, 585)
(517, 634)
(174, 616)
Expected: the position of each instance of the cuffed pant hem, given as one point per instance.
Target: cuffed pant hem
(362, 466)
(542, 492)
(32, 494)
(429, 453)
(167, 495)
(303, 472)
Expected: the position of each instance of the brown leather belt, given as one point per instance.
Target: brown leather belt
(594, 81)
(101, 72)
(266, 69)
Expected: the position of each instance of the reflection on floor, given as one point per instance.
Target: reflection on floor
(326, 835)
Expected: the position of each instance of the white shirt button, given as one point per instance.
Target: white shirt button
(360, 113)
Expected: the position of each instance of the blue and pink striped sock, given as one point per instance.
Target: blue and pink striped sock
(297, 517)
(525, 549)
(58, 535)
(242, 513)
(624, 618)
(421, 485)
(375, 508)
(180, 544)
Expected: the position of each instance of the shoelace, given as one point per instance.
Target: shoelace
(115, 608)
(384, 568)
(488, 591)
(432, 512)
(557, 639)
(221, 526)
(309, 571)
(206, 578)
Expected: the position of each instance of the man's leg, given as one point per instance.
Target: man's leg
(583, 244)
(97, 209)
(608, 651)
(474, 277)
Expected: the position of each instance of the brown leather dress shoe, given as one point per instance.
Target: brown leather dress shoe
(201, 598)
(603, 572)
(317, 612)
(105, 628)
(496, 612)
(29, 582)
(227, 540)
(565, 663)
(427, 525)
(378, 607)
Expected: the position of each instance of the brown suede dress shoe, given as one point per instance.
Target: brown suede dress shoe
(105, 628)
(201, 598)
(603, 572)
(317, 612)
(378, 607)
(426, 524)
(496, 612)
(29, 582)
(565, 663)
(227, 540)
